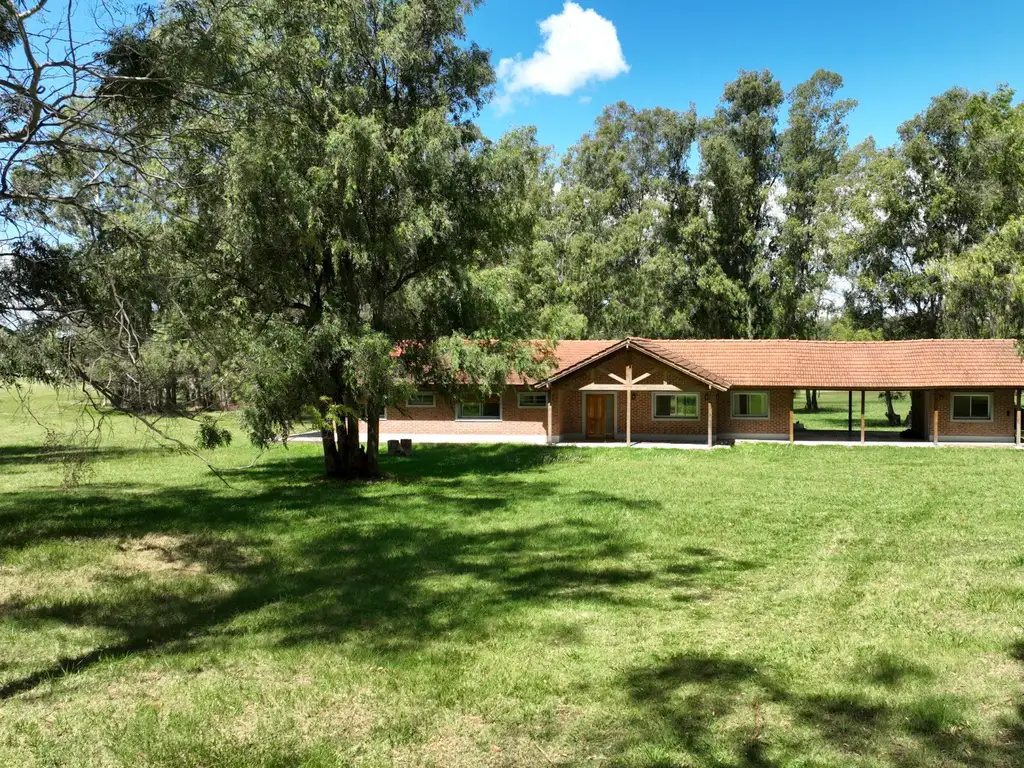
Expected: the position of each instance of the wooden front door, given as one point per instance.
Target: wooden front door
(597, 417)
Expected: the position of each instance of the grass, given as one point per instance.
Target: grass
(833, 411)
(512, 606)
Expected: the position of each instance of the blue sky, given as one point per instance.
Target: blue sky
(894, 56)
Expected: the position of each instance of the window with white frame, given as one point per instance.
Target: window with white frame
(972, 406)
(676, 406)
(750, 405)
(489, 410)
(532, 399)
(422, 400)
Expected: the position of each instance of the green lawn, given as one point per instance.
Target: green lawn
(833, 410)
(512, 606)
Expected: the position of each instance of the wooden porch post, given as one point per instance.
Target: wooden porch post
(935, 425)
(790, 423)
(1017, 436)
(629, 404)
(711, 421)
(863, 423)
(550, 432)
(850, 421)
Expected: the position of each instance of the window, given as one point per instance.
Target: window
(676, 406)
(533, 399)
(972, 406)
(750, 405)
(421, 400)
(490, 409)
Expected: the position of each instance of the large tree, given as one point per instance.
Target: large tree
(811, 147)
(623, 196)
(740, 171)
(332, 206)
(903, 214)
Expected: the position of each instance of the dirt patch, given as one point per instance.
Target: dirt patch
(155, 554)
(162, 553)
(460, 742)
(159, 555)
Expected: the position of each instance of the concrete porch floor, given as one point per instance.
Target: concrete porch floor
(643, 444)
(845, 438)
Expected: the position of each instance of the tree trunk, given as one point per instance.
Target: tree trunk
(890, 413)
(372, 442)
(332, 461)
(811, 400)
(342, 456)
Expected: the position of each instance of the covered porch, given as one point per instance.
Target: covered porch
(932, 419)
(633, 395)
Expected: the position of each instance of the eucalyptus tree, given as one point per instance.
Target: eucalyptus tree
(903, 215)
(740, 170)
(811, 148)
(625, 197)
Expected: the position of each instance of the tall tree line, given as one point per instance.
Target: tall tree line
(740, 224)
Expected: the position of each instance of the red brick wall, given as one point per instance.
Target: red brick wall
(1001, 426)
(777, 423)
(568, 407)
(440, 420)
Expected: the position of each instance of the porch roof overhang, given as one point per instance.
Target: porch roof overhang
(650, 349)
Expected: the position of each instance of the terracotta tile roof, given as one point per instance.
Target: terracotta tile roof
(681, 360)
(918, 364)
(569, 354)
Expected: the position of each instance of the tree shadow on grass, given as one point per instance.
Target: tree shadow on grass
(449, 461)
(719, 711)
(385, 566)
(469, 479)
(22, 457)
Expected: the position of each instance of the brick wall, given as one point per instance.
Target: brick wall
(1002, 425)
(440, 420)
(777, 423)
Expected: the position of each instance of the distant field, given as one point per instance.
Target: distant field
(766, 605)
(833, 410)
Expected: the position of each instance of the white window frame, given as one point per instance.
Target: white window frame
(460, 417)
(733, 399)
(952, 409)
(433, 400)
(532, 393)
(654, 406)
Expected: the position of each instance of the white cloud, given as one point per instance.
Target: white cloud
(580, 46)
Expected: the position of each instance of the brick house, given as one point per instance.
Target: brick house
(709, 391)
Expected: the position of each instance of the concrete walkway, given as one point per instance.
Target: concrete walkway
(314, 437)
(845, 438)
(802, 438)
(675, 446)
